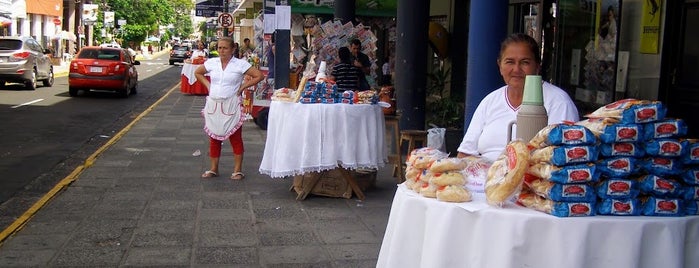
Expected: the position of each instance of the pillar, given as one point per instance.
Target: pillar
(411, 62)
(484, 37)
(344, 10)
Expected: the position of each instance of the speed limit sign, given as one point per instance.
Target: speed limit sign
(225, 20)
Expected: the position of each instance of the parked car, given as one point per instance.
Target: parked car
(23, 60)
(179, 54)
(103, 68)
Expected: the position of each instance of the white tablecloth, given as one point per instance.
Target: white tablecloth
(305, 138)
(188, 71)
(424, 232)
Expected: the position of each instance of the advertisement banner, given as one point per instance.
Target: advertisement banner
(650, 26)
(90, 13)
(371, 8)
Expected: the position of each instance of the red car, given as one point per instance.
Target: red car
(103, 68)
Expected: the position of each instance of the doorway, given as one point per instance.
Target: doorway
(679, 78)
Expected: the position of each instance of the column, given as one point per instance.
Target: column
(344, 10)
(487, 28)
(411, 62)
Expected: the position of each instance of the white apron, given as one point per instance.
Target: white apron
(222, 117)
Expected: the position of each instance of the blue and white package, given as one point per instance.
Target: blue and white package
(619, 207)
(622, 133)
(665, 147)
(615, 167)
(660, 187)
(565, 155)
(656, 206)
(621, 149)
(667, 128)
(691, 175)
(558, 209)
(580, 192)
(661, 166)
(563, 134)
(691, 155)
(691, 192)
(581, 173)
(618, 189)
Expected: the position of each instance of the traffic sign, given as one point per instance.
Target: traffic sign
(225, 20)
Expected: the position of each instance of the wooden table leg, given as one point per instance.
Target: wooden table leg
(307, 185)
(352, 183)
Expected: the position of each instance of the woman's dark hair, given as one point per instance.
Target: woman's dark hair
(344, 54)
(521, 38)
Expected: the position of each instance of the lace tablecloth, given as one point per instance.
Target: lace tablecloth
(305, 138)
(425, 232)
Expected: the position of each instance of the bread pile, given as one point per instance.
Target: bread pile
(284, 94)
(432, 174)
(562, 170)
(648, 167)
(505, 175)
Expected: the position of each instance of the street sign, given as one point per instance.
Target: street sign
(225, 20)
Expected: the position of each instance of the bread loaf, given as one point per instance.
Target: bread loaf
(506, 174)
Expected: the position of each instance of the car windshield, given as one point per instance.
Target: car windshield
(10, 44)
(182, 48)
(102, 54)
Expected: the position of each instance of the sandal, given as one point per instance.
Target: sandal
(237, 176)
(209, 174)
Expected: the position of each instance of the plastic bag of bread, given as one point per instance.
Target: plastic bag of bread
(661, 187)
(505, 175)
(619, 207)
(580, 173)
(562, 134)
(656, 206)
(618, 188)
(283, 94)
(621, 149)
(632, 111)
(558, 209)
(662, 166)
(428, 189)
(475, 173)
(423, 158)
(565, 155)
(616, 167)
(447, 164)
(412, 173)
(691, 207)
(691, 157)
(667, 128)
(610, 130)
(665, 147)
(453, 193)
(447, 178)
(579, 192)
(691, 192)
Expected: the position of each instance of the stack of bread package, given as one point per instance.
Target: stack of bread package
(647, 166)
(562, 171)
(433, 174)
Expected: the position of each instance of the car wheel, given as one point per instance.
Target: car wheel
(133, 89)
(48, 82)
(31, 84)
(2, 83)
(73, 92)
(125, 91)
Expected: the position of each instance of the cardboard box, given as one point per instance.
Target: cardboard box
(332, 184)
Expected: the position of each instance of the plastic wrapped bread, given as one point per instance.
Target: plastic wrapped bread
(447, 164)
(611, 130)
(565, 155)
(560, 192)
(632, 111)
(562, 134)
(558, 209)
(448, 178)
(580, 173)
(505, 175)
(453, 193)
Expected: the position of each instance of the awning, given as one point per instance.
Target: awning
(45, 7)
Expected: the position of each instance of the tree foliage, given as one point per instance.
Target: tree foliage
(144, 18)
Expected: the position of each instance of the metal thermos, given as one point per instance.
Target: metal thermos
(531, 117)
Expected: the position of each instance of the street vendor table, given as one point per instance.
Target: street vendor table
(189, 84)
(303, 138)
(425, 232)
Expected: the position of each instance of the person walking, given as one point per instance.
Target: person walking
(223, 110)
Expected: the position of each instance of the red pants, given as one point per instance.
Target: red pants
(236, 142)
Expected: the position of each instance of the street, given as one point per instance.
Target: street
(46, 133)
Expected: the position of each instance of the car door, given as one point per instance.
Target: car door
(42, 60)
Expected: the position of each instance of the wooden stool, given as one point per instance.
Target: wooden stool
(412, 137)
(392, 142)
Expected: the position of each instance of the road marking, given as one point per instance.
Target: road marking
(26, 103)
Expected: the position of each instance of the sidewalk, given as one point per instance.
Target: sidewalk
(141, 202)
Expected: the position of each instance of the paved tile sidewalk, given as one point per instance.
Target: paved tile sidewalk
(142, 203)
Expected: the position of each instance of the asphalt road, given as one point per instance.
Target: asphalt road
(45, 134)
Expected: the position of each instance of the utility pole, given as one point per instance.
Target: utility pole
(225, 10)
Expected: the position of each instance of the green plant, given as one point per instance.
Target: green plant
(442, 109)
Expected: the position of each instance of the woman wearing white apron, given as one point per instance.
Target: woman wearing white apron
(223, 111)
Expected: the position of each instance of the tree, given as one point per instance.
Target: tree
(143, 17)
